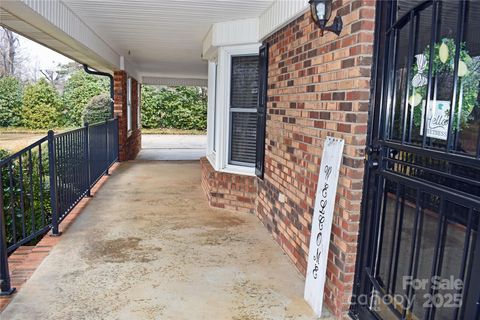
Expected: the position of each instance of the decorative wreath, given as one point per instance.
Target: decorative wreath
(443, 69)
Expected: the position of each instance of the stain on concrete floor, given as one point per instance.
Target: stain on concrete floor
(149, 247)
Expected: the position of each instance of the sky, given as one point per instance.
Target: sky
(39, 56)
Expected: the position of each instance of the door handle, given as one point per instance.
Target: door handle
(375, 152)
(374, 164)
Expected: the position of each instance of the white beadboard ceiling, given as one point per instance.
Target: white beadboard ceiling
(162, 36)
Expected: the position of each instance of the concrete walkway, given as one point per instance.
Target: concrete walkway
(149, 247)
(172, 147)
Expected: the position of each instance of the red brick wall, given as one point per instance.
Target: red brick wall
(318, 86)
(129, 142)
(228, 191)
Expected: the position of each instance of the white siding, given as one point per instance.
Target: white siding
(279, 14)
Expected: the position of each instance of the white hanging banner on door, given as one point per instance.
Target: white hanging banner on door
(438, 115)
(322, 223)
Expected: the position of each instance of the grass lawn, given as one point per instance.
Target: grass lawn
(167, 131)
(14, 139)
(21, 130)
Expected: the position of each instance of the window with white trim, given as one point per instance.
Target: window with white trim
(139, 103)
(243, 110)
(129, 104)
(233, 81)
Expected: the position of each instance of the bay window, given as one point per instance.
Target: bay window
(232, 109)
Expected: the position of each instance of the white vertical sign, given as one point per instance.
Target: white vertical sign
(438, 115)
(322, 223)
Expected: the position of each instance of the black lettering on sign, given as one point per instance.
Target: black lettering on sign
(321, 220)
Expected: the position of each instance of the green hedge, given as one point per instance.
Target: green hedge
(42, 106)
(10, 102)
(11, 97)
(179, 107)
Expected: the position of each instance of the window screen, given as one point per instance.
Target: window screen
(244, 82)
(243, 109)
(244, 127)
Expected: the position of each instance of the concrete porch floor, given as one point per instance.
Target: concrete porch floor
(149, 247)
(172, 147)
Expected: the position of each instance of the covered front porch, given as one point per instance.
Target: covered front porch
(148, 246)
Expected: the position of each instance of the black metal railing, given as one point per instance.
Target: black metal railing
(42, 183)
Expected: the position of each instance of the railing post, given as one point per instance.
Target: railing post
(5, 285)
(87, 160)
(53, 183)
(107, 155)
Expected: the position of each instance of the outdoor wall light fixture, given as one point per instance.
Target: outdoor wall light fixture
(321, 11)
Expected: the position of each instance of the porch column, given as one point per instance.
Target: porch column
(129, 139)
(120, 111)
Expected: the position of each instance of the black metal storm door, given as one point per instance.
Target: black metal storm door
(419, 249)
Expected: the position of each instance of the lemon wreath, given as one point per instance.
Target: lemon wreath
(443, 69)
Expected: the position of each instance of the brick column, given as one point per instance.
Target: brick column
(129, 141)
(120, 111)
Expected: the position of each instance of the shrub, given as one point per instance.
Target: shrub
(10, 102)
(97, 109)
(79, 89)
(4, 154)
(179, 107)
(35, 215)
(151, 103)
(41, 106)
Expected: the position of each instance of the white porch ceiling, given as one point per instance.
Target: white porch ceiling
(162, 37)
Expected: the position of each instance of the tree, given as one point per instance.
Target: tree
(8, 50)
(41, 106)
(97, 110)
(79, 89)
(59, 75)
(10, 101)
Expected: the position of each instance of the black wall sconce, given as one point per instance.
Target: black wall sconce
(321, 11)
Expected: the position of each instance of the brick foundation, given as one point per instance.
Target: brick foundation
(228, 191)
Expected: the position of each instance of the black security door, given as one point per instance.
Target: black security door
(419, 250)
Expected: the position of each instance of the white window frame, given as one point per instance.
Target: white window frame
(220, 158)
(212, 126)
(139, 104)
(129, 104)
